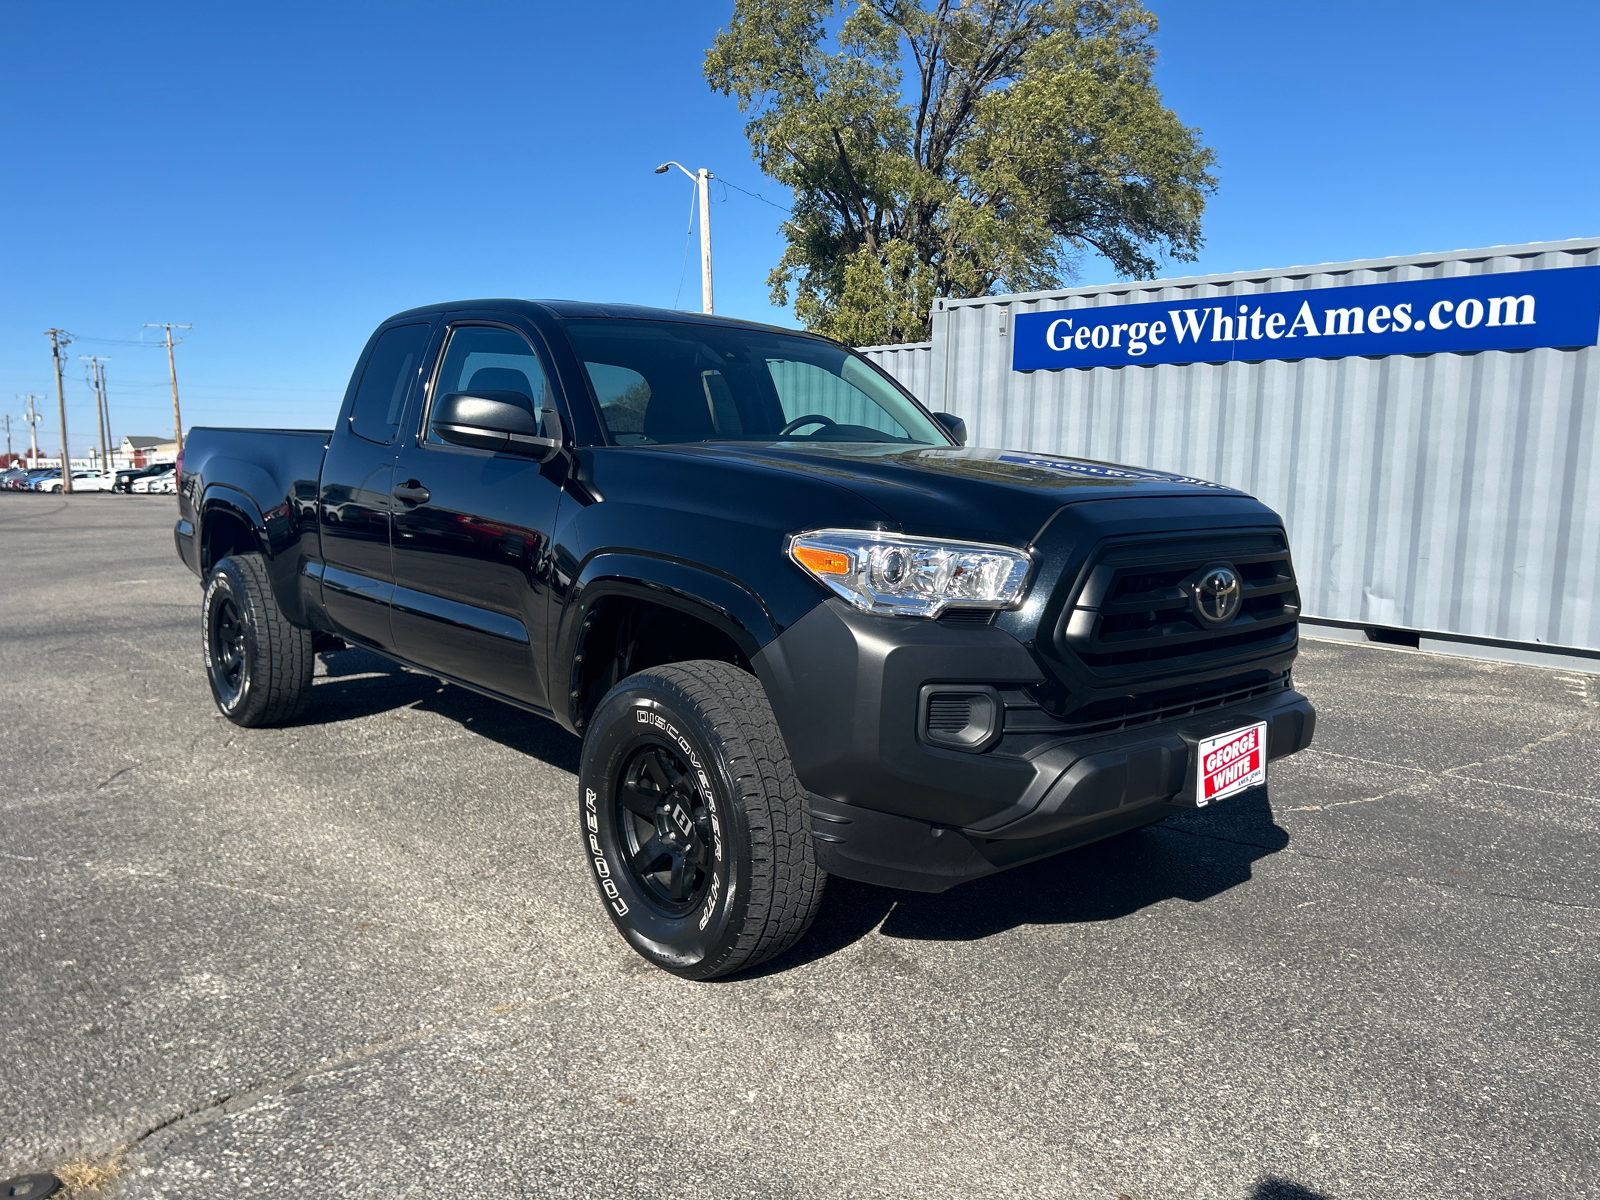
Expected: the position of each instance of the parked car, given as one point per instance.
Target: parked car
(12, 477)
(801, 628)
(40, 481)
(153, 483)
(82, 481)
(128, 476)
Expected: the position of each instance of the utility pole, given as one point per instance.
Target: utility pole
(107, 447)
(105, 408)
(97, 381)
(172, 365)
(8, 440)
(33, 434)
(702, 179)
(60, 339)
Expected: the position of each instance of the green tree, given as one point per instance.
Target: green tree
(957, 149)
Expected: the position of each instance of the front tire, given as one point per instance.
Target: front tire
(695, 825)
(258, 664)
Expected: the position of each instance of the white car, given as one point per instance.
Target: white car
(83, 481)
(156, 483)
(93, 481)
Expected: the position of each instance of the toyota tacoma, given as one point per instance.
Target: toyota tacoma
(801, 629)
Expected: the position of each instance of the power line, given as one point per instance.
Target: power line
(140, 342)
(756, 196)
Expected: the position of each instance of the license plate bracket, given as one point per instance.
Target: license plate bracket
(1228, 763)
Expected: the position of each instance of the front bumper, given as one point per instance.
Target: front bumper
(888, 808)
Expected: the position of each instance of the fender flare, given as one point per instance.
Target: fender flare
(222, 497)
(718, 599)
(282, 569)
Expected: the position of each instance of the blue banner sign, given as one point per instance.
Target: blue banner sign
(1511, 311)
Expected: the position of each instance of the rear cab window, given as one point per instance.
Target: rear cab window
(386, 381)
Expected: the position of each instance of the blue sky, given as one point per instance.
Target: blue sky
(284, 176)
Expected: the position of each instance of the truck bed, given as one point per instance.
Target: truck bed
(264, 481)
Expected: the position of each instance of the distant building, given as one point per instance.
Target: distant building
(146, 451)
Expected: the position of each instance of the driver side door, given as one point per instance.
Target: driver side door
(472, 527)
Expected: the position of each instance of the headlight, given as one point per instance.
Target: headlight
(911, 576)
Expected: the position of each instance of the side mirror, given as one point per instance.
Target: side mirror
(954, 426)
(492, 420)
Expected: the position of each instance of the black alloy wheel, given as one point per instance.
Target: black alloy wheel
(696, 829)
(665, 823)
(259, 664)
(226, 657)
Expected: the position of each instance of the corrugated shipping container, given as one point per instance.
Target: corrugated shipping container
(804, 388)
(1447, 493)
(910, 364)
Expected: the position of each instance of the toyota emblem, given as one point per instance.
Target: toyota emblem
(1216, 595)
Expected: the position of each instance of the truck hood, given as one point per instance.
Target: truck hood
(946, 491)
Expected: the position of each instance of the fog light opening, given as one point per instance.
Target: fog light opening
(965, 717)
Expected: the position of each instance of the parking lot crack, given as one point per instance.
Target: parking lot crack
(116, 775)
(1216, 837)
(154, 1140)
(1451, 773)
(1329, 858)
(1582, 723)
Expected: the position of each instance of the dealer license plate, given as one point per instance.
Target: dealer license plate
(1230, 763)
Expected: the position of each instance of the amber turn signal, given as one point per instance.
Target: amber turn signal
(823, 562)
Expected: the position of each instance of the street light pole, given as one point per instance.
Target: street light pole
(702, 179)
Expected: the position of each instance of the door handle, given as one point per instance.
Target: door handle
(411, 492)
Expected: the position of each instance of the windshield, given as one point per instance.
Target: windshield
(670, 381)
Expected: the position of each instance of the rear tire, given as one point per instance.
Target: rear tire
(695, 825)
(258, 664)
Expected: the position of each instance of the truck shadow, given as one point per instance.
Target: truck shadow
(359, 684)
(1275, 1188)
(1191, 856)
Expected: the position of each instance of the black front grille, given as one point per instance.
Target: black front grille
(1132, 611)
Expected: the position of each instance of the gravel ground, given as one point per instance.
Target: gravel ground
(361, 956)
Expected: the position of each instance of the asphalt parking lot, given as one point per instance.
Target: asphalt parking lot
(361, 957)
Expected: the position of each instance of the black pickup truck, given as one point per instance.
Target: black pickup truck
(801, 628)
